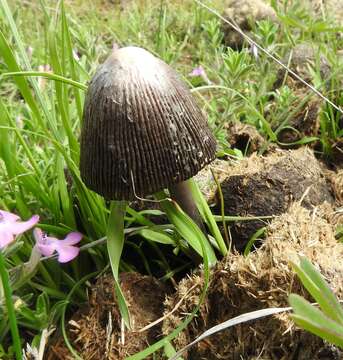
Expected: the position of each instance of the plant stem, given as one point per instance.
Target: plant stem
(10, 307)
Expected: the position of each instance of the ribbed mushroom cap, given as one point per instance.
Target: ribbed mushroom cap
(140, 119)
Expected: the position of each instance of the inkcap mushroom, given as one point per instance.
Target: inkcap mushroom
(142, 130)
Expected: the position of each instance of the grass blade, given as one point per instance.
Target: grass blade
(206, 214)
(115, 243)
(187, 228)
(47, 75)
(313, 320)
(319, 289)
(232, 322)
(5, 283)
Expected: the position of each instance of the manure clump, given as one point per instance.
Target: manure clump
(261, 280)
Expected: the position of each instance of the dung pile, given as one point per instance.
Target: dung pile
(300, 59)
(244, 137)
(267, 186)
(262, 279)
(303, 115)
(97, 332)
(244, 13)
(336, 180)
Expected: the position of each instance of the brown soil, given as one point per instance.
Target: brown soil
(97, 332)
(263, 279)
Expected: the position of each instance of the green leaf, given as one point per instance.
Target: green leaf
(70, 57)
(187, 228)
(8, 56)
(207, 215)
(252, 240)
(46, 75)
(170, 351)
(312, 319)
(115, 243)
(319, 289)
(156, 236)
(7, 291)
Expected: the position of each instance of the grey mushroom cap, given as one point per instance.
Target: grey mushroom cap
(142, 129)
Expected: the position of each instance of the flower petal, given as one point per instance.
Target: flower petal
(6, 237)
(8, 217)
(67, 253)
(72, 238)
(20, 227)
(46, 250)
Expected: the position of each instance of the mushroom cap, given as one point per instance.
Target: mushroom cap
(142, 129)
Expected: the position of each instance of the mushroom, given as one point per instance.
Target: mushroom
(142, 131)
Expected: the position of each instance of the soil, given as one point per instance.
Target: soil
(303, 123)
(304, 120)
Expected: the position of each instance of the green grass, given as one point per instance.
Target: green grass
(40, 125)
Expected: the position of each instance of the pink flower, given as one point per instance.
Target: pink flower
(48, 245)
(10, 226)
(200, 72)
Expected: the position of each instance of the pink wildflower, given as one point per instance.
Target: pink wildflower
(48, 245)
(11, 226)
(200, 72)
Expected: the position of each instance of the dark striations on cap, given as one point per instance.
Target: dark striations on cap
(140, 119)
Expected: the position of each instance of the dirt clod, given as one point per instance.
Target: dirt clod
(261, 280)
(267, 186)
